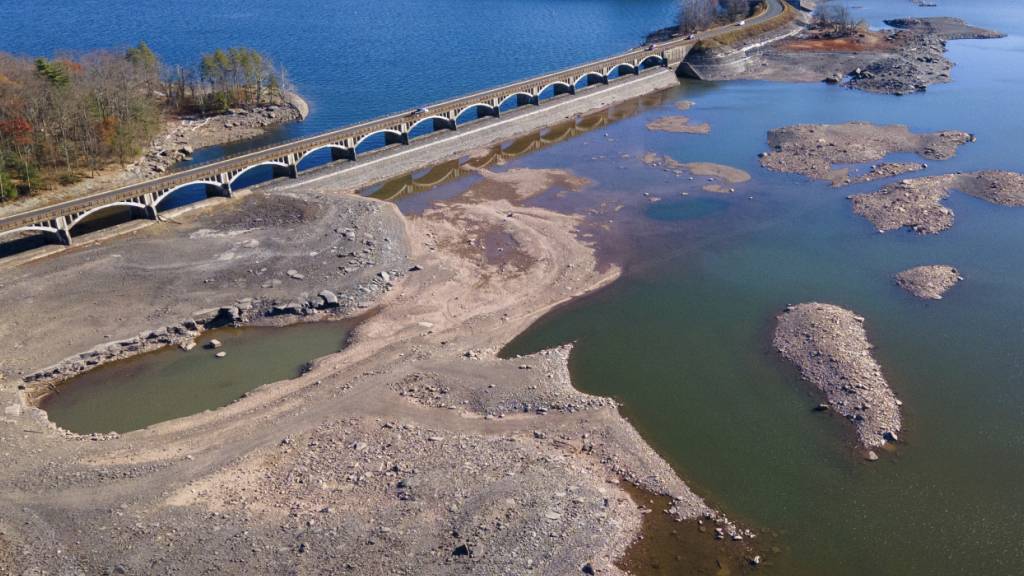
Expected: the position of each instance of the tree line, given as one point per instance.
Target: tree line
(698, 15)
(64, 117)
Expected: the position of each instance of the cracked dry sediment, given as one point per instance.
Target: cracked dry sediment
(916, 203)
(353, 466)
(813, 150)
(928, 282)
(830, 347)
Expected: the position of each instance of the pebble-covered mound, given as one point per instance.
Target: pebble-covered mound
(928, 282)
(814, 149)
(917, 203)
(830, 346)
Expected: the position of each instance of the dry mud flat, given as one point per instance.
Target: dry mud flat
(917, 203)
(814, 149)
(414, 451)
(903, 61)
(830, 347)
(713, 172)
(929, 282)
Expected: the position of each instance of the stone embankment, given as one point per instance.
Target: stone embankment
(916, 203)
(814, 149)
(929, 282)
(830, 347)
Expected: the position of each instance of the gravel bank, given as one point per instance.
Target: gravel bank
(814, 149)
(917, 203)
(830, 347)
(928, 282)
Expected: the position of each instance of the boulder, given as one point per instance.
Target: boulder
(330, 299)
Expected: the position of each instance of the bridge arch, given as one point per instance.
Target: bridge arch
(337, 151)
(210, 185)
(278, 167)
(439, 121)
(601, 78)
(30, 230)
(617, 69)
(518, 98)
(658, 60)
(80, 217)
(394, 134)
(559, 88)
(482, 109)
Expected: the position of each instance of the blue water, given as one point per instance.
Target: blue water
(351, 60)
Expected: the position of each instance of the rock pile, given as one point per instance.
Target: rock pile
(830, 347)
(928, 282)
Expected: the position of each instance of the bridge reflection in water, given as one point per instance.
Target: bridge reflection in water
(420, 181)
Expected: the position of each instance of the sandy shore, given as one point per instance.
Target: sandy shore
(830, 347)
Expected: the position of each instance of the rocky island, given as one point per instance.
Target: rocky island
(916, 203)
(929, 282)
(903, 60)
(830, 347)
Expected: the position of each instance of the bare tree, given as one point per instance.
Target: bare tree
(696, 15)
(834, 17)
(736, 9)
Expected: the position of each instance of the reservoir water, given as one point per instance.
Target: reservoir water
(683, 339)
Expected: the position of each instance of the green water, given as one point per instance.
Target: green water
(171, 383)
(683, 338)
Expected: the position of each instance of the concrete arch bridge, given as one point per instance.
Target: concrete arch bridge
(59, 221)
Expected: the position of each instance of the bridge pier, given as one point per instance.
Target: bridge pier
(63, 234)
(340, 154)
(390, 138)
(523, 99)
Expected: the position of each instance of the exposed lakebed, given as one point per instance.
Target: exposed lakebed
(684, 338)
